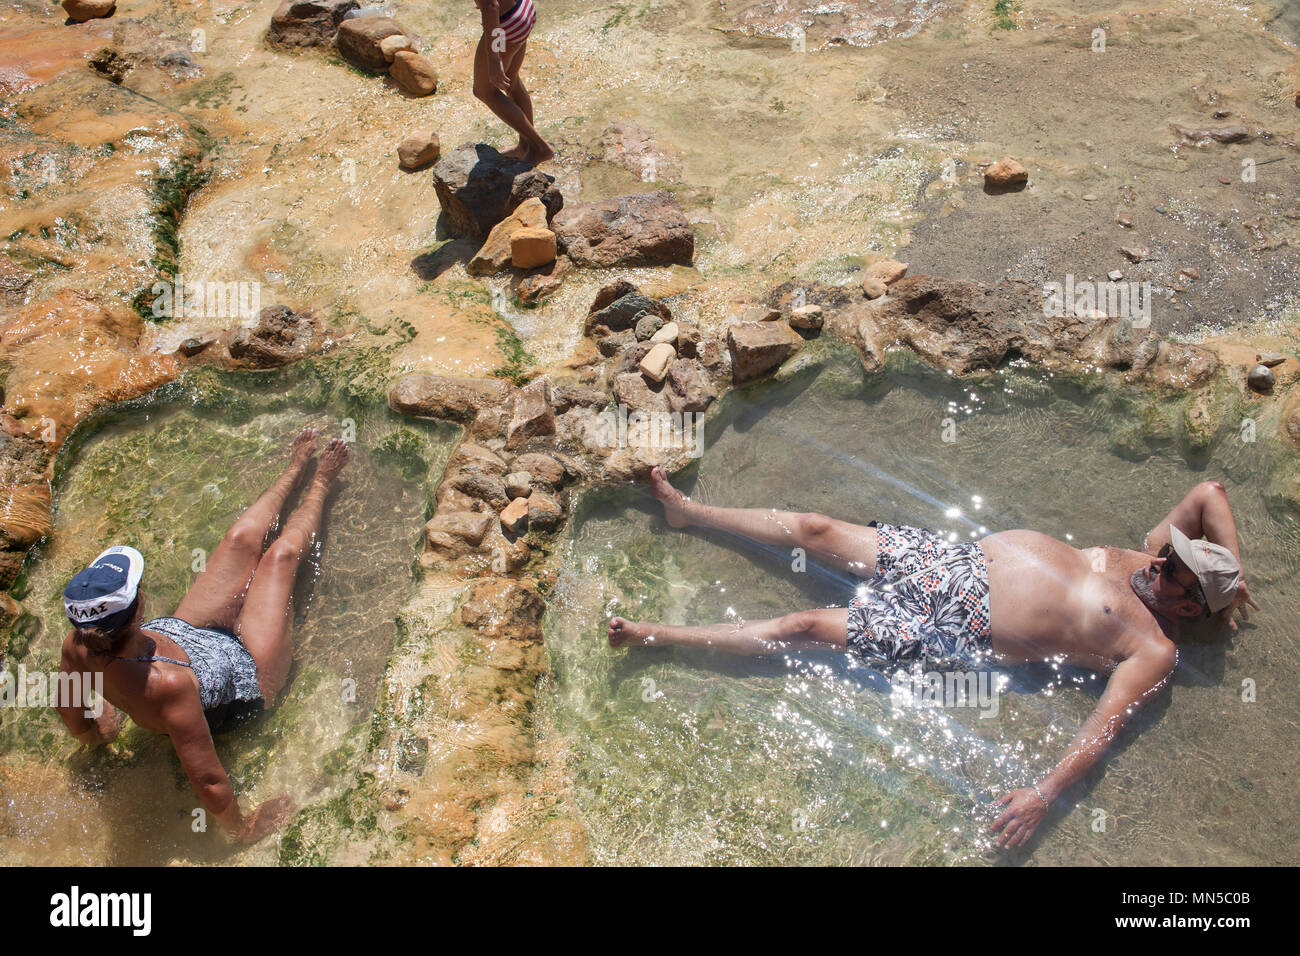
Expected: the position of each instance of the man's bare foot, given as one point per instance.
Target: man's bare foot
(519, 151)
(625, 633)
(332, 460)
(304, 446)
(673, 500)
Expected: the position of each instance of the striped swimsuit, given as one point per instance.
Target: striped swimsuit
(517, 22)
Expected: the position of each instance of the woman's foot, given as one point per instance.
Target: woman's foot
(332, 460)
(539, 153)
(304, 446)
(519, 151)
(625, 633)
(674, 501)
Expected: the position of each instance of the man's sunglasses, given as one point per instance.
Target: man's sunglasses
(1173, 564)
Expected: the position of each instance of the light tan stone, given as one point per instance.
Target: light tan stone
(532, 246)
(655, 364)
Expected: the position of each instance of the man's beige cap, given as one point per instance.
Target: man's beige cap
(1213, 564)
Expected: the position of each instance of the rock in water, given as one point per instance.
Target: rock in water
(281, 336)
(413, 73)
(655, 364)
(532, 415)
(475, 186)
(359, 42)
(436, 396)
(83, 10)
(759, 347)
(497, 250)
(308, 22)
(1006, 173)
(531, 247)
(808, 317)
(418, 150)
(1261, 378)
(637, 230)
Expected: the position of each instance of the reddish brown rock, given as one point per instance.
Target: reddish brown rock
(358, 41)
(638, 230)
(305, 23)
(759, 347)
(504, 608)
(1006, 173)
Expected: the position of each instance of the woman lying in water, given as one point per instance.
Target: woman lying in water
(227, 650)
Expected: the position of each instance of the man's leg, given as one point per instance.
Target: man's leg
(218, 592)
(823, 629)
(502, 105)
(265, 624)
(841, 544)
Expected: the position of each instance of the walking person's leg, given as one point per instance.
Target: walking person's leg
(843, 545)
(218, 593)
(265, 625)
(505, 105)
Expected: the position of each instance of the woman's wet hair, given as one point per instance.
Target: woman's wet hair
(101, 640)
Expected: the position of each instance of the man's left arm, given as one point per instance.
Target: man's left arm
(1131, 684)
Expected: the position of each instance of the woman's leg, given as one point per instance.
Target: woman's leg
(519, 94)
(503, 104)
(218, 592)
(265, 626)
(823, 629)
(841, 544)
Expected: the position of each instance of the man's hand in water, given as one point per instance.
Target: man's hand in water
(1240, 602)
(267, 818)
(1020, 819)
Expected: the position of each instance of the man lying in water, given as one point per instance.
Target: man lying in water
(227, 650)
(1011, 598)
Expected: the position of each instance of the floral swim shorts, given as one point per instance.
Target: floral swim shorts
(928, 601)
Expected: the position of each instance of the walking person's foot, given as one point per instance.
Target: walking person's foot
(539, 153)
(518, 151)
(625, 633)
(332, 460)
(674, 501)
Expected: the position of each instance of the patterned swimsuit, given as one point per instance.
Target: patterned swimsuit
(928, 601)
(517, 22)
(225, 671)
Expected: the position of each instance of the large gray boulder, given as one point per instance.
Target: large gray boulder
(478, 187)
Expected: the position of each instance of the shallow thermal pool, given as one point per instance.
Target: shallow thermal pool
(169, 477)
(686, 756)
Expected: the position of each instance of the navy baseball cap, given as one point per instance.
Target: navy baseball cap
(103, 595)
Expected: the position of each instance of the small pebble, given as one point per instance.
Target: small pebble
(1115, 275)
(1089, 197)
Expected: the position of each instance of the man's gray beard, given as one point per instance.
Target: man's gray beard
(1145, 590)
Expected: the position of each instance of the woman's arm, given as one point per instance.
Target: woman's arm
(92, 730)
(188, 728)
